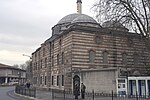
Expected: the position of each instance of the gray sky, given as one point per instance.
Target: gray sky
(25, 24)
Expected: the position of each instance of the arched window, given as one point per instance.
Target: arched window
(135, 58)
(98, 39)
(130, 42)
(91, 56)
(105, 57)
(124, 58)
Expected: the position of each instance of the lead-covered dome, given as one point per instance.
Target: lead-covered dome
(74, 18)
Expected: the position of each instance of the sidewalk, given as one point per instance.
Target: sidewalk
(47, 95)
(43, 95)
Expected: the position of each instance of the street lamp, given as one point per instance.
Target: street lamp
(29, 69)
(27, 56)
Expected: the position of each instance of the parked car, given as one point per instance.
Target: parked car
(15, 82)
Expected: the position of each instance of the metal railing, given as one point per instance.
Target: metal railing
(25, 91)
(68, 95)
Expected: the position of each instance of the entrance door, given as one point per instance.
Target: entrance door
(76, 85)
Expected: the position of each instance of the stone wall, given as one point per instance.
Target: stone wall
(100, 81)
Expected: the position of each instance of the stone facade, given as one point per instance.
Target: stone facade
(69, 53)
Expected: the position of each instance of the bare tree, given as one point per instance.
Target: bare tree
(28, 67)
(134, 14)
(16, 65)
(23, 66)
(29, 70)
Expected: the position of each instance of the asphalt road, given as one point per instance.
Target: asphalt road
(7, 93)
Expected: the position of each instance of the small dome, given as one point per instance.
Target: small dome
(68, 18)
(114, 26)
(74, 18)
(84, 18)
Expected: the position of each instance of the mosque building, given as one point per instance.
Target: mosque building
(104, 57)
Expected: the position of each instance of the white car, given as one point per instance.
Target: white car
(13, 83)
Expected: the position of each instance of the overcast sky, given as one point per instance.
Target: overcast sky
(25, 24)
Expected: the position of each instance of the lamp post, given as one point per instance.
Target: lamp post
(29, 69)
(27, 56)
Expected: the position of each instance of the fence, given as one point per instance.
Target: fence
(68, 95)
(25, 91)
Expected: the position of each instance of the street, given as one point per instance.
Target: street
(7, 93)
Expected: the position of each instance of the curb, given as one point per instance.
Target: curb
(32, 98)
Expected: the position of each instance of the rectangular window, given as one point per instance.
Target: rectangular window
(62, 80)
(52, 80)
(41, 80)
(58, 80)
(52, 60)
(41, 63)
(62, 58)
(57, 59)
(43, 52)
(121, 81)
(45, 62)
(45, 80)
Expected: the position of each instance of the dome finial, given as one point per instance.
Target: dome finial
(79, 1)
(79, 6)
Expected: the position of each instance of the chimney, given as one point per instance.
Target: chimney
(79, 6)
